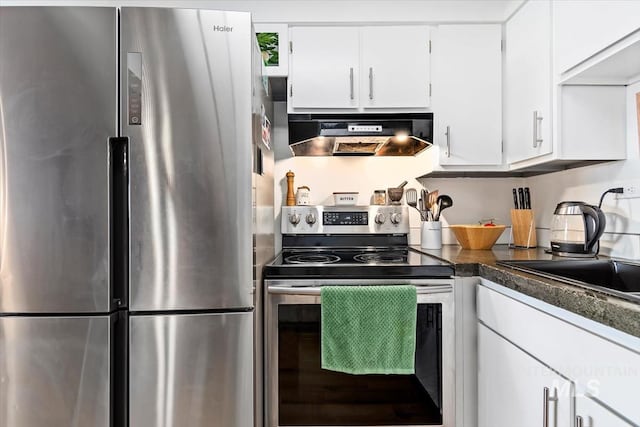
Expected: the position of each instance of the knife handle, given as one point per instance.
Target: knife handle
(527, 198)
(521, 197)
(515, 198)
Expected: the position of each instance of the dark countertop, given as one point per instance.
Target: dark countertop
(590, 303)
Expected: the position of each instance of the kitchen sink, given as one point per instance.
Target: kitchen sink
(619, 278)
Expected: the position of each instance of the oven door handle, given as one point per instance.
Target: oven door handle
(315, 291)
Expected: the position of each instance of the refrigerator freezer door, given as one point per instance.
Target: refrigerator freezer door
(55, 372)
(188, 117)
(58, 101)
(191, 370)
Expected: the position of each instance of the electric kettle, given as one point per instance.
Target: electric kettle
(575, 229)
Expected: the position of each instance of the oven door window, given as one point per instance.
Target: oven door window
(311, 396)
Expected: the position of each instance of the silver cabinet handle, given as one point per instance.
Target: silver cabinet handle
(448, 133)
(579, 422)
(537, 121)
(351, 82)
(370, 82)
(545, 405)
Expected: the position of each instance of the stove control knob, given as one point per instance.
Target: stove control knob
(294, 218)
(396, 218)
(311, 219)
(380, 218)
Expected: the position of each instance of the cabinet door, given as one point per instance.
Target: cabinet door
(467, 94)
(395, 67)
(527, 111)
(324, 67)
(592, 414)
(514, 388)
(574, 22)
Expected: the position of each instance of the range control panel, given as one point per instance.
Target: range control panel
(373, 219)
(345, 218)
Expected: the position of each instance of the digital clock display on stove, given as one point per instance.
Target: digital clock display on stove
(345, 218)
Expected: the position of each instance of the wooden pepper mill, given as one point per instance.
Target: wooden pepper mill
(291, 198)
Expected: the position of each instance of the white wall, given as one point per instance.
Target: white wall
(622, 235)
(346, 11)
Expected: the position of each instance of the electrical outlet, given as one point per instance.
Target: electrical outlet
(631, 191)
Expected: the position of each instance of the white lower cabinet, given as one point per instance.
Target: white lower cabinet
(591, 414)
(525, 345)
(515, 389)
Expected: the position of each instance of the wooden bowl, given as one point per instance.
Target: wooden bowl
(477, 236)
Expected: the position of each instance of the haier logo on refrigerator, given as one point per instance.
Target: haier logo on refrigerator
(222, 28)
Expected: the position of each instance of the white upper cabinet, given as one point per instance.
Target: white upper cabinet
(358, 69)
(582, 28)
(324, 68)
(527, 108)
(467, 94)
(395, 67)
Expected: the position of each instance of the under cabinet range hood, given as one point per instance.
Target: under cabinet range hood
(360, 134)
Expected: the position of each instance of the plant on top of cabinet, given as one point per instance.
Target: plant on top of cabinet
(356, 69)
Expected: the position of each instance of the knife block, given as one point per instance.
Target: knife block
(523, 228)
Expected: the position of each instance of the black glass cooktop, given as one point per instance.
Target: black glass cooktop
(397, 262)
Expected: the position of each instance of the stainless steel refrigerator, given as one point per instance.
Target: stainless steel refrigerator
(130, 179)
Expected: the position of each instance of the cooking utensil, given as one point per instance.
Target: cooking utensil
(443, 203)
(527, 198)
(432, 198)
(402, 185)
(424, 214)
(411, 197)
(521, 197)
(423, 196)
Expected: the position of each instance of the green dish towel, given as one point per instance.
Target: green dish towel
(369, 329)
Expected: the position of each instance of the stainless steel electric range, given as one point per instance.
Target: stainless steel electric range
(363, 246)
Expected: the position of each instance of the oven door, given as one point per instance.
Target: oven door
(300, 393)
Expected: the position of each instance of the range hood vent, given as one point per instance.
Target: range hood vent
(360, 134)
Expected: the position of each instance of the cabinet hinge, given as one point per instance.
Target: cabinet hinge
(429, 46)
(291, 90)
(502, 146)
(290, 47)
(429, 90)
(502, 45)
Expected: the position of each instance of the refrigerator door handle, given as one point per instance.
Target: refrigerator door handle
(119, 225)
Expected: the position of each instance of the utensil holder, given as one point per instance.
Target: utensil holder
(431, 235)
(523, 229)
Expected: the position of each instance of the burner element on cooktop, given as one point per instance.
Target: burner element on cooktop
(311, 258)
(381, 258)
